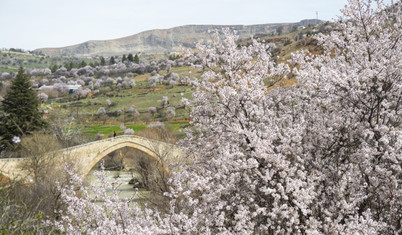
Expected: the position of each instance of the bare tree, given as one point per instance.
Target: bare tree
(43, 166)
(102, 115)
(40, 151)
(156, 172)
(17, 216)
(66, 130)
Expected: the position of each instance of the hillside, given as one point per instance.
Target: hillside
(10, 61)
(143, 95)
(165, 40)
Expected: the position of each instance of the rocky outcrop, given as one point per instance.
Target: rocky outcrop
(164, 40)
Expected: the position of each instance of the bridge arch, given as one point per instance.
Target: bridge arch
(115, 147)
(87, 155)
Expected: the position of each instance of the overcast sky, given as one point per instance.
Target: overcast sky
(31, 24)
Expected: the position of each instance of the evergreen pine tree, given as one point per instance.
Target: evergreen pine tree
(124, 58)
(136, 59)
(130, 57)
(67, 66)
(19, 112)
(53, 68)
(83, 64)
(102, 61)
(112, 60)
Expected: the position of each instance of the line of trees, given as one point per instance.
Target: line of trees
(112, 59)
(102, 62)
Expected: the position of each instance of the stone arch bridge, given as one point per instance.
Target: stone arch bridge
(85, 156)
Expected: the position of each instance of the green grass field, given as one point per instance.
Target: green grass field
(142, 96)
(108, 129)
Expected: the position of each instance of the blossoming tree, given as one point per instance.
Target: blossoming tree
(321, 157)
(352, 137)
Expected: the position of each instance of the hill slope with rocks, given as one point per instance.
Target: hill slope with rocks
(166, 40)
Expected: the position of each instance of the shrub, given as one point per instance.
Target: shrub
(129, 131)
(43, 97)
(152, 110)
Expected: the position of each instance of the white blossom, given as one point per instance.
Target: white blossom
(321, 157)
(129, 131)
(16, 140)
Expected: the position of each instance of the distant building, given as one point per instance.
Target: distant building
(73, 88)
(44, 87)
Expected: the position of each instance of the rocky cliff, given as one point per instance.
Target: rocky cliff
(164, 40)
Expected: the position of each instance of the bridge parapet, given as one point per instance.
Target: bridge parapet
(88, 154)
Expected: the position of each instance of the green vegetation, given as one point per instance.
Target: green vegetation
(142, 95)
(112, 60)
(11, 60)
(102, 61)
(136, 59)
(108, 130)
(130, 57)
(20, 111)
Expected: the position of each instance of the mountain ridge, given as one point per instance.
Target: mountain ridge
(164, 40)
